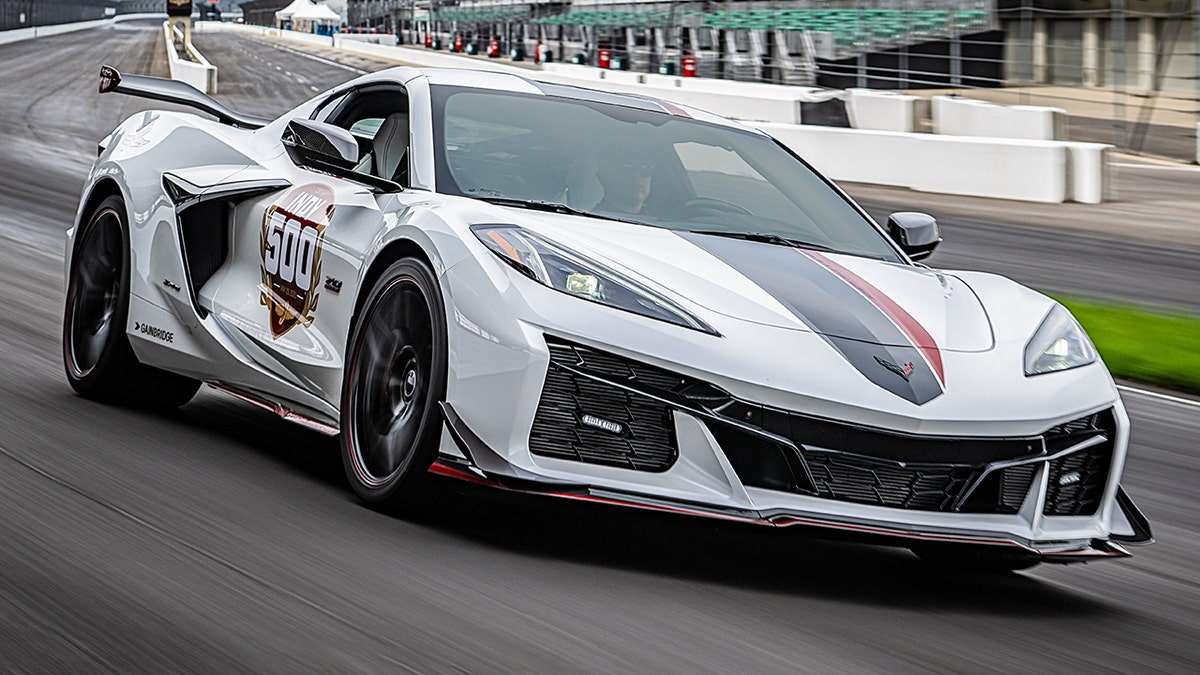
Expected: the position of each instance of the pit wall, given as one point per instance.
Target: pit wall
(1034, 167)
(196, 71)
(22, 34)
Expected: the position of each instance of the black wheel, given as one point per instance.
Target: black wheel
(100, 363)
(968, 559)
(395, 378)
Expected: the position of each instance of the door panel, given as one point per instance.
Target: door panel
(287, 295)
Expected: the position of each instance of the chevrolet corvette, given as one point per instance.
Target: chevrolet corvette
(612, 298)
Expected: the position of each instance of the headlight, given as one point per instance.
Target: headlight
(1058, 344)
(563, 270)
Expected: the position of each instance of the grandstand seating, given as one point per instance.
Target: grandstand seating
(853, 30)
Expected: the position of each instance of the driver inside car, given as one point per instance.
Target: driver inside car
(626, 180)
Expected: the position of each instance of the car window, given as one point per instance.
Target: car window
(641, 165)
(365, 110)
(366, 127)
(712, 169)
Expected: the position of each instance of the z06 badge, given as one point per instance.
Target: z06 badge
(292, 236)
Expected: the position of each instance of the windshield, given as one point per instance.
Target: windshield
(641, 166)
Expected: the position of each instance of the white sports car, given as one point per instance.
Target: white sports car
(594, 296)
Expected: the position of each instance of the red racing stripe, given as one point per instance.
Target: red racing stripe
(916, 333)
(673, 109)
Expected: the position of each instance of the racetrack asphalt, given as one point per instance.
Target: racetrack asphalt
(219, 539)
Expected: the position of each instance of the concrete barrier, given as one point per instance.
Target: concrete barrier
(875, 157)
(1005, 168)
(196, 71)
(882, 110)
(21, 34)
(1087, 172)
(960, 116)
(369, 38)
(1002, 168)
(982, 167)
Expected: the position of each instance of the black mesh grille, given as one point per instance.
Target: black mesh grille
(881, 444)
(1075, 485)
(851, 478)
(1014, 486)
(646, 439)
(846, 462)
(1002, 491)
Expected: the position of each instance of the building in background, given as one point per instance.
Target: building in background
(261, 12)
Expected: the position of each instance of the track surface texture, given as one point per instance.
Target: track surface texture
(220, 540)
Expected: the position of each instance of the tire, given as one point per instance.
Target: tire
(966, 559)
(99, 361)
(395, 377)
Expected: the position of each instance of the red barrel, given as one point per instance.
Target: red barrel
(689, 66)
(605, 59)
(494, 48)
(458, 42)
(428, 40)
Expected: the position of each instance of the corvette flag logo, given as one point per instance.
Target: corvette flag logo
(292, 236)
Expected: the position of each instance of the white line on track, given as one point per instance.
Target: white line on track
(1164, 397)
(317, 58)
(1154, 167)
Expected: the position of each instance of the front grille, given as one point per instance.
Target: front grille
(851, 478)
(804, 430)
(646, 440)
(1075, 485)
(831, 460)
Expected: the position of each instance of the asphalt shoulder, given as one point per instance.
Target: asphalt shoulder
(1149, 200)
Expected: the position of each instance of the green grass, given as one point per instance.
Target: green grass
(1141, 344)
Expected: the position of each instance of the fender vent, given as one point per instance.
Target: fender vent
(205, 234)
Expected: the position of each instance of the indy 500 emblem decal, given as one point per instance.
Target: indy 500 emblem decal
(292, 235)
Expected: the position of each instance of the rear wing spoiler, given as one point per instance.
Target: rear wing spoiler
(173, 91)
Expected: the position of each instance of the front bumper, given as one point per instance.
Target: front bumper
(612, 430)
(498, 474)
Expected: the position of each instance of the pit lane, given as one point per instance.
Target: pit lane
(220, 539)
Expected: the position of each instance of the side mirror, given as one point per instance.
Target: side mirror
(916, 233)
(320, 146)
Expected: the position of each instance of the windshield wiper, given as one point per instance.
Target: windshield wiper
(536, 204)
(767, 238)
(552, 207)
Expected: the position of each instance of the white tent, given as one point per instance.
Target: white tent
(284, 15)
(316, 19)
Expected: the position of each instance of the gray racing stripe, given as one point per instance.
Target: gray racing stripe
(853, 325)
